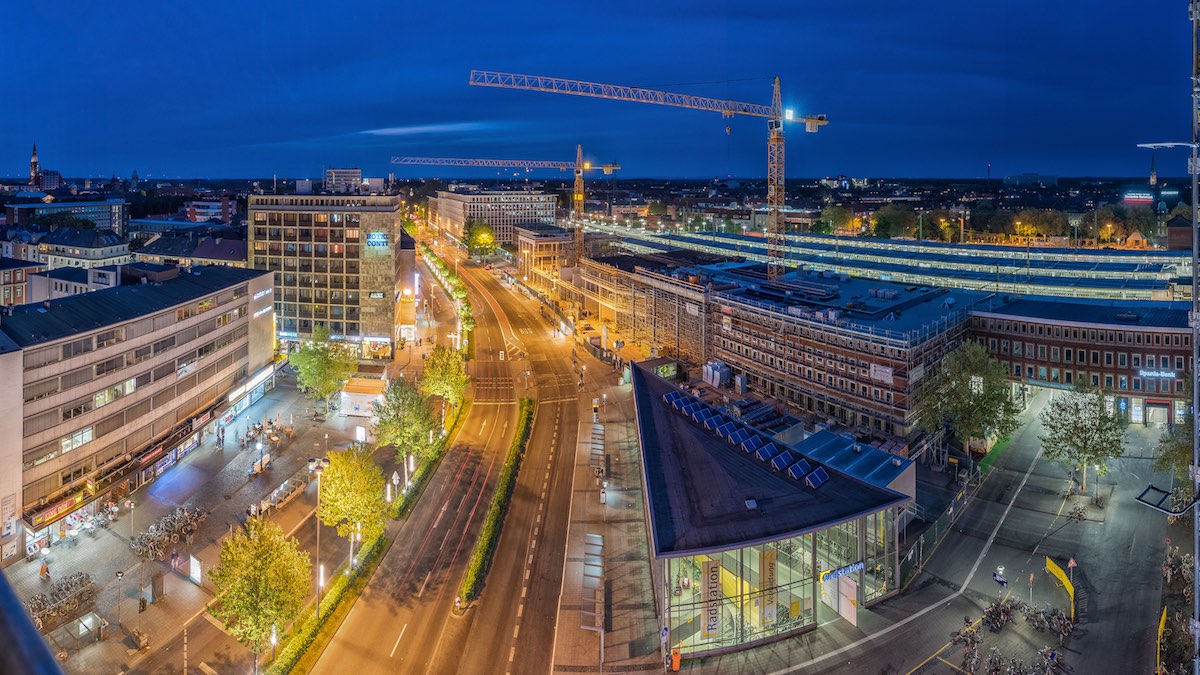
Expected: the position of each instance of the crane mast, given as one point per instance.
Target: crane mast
(776, 192)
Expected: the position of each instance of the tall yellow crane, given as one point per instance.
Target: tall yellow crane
(774, 113)
(578, 166)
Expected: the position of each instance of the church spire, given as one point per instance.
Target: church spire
(33, 167)
(1153, 173)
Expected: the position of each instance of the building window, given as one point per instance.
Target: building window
(75, 440)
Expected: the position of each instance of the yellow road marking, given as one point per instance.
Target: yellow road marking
(941, 649)
(953, 666)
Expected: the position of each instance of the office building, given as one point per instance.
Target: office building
(223, 210)
(107, 389)
(341, 261)
(110, 214)
(542, 250)
(344, 181)
(502, 211)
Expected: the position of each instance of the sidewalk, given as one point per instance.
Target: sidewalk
(213, 480)
(630, 622)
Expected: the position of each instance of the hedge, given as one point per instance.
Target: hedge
(308, 631)
(489, 536)
(450, 282)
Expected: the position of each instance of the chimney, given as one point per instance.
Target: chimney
(46, 304)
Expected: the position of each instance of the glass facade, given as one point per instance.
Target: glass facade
(724, 600)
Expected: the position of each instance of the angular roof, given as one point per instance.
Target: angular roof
(17, 263)
(36, 323)
(697, 485)
(82, 238)
(209, 248)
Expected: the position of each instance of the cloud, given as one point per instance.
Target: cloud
(432, 129)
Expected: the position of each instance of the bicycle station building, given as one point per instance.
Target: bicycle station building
(108, 389)
(753, 539)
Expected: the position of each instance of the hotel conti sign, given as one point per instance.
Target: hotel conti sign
(712, 599)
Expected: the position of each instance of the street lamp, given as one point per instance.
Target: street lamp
(318, 466)
(258, 446)
(273, 641)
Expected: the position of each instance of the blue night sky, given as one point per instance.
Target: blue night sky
(935, 88)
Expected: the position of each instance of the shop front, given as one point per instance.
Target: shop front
(718, 601)
(243, 396)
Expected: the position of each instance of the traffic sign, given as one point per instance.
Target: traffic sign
(1071, 563)
(395, 478)
(999, 578)
(1031, 579)
(663, 636)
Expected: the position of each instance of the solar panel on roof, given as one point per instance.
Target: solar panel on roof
(726, 430)
(816, 478)
(799, 469)
(714, 422)
(738, 436)
(751, 444)
(782, 460)
(766, 452)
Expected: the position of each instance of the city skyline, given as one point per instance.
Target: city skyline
(909, 93)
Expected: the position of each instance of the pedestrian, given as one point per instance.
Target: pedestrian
(174, 559)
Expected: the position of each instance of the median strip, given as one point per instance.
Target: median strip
(489, 535)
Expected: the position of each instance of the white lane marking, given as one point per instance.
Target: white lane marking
(398, 641)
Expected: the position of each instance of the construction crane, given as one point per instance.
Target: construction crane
(578, 166)
(774, 113)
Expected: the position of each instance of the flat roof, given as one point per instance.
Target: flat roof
(698, 485)
(1112, 313)
(16, 263)
(33, 324)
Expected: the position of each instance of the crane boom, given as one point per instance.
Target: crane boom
(495, 163)
(776, 195)
(558, 85)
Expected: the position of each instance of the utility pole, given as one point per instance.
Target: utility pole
(1194, 169)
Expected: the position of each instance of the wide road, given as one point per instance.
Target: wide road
(511, 627)
(406, 606)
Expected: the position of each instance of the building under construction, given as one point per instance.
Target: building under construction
(846, 351)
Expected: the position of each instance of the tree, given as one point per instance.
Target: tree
(894, 220)
(322, 366)
(478, 237)
(404, 420)
(656, 208)
(352, 493)
(262, 581)
(1175, 444)
(62, 219)
(1080, 429)
(445, 375)
(836, 217)
(728, 226)
(970, 394)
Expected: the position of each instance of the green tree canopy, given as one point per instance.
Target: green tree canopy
(445, 375)
(836, 217)
(656, 208)
(478, 237)
(894, 220)
(970, 394)
(1175, 446)
(63, 219)
(728, 226)
(405, 420)
(322, 366)
(262, 581)
(352, 493)
(1081, 430)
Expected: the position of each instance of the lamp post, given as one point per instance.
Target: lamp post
(273, 641)
(318, 466)
(120, 594)
(258, 446)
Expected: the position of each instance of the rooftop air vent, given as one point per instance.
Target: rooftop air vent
(896, 462)
(1128, 317)
(751, 504)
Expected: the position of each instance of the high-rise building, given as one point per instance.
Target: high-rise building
(502, 211)
(107, 389)
(341, 261)
(343, 180)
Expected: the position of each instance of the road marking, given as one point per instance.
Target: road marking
(539, 518)
(523, 589)
(423, 583)
(520, 610)
(398, 641)
(481, 426)
(939, 651)
(526, 574)
(516, 630)
(511, 653)
(937, 605)
(953, 666)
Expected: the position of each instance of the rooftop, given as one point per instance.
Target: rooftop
(33, 324)
(77, 275)
(15, 263)
(698, 485)
(1109, 312)
(80, 237)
